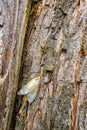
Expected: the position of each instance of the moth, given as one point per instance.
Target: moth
(31, 89)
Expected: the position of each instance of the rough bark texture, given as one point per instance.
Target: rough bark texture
(45, 38)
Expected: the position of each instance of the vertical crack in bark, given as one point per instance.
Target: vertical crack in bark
(14, 76)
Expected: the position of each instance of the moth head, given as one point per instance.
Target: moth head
(37, 78)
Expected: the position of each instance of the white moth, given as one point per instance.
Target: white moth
(31, 89)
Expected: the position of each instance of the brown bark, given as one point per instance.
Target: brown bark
(48, 39)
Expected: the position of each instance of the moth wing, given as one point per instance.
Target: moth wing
(24, 90)
(29, 87)
(31, 96)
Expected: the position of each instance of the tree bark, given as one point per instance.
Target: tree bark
(47, 39)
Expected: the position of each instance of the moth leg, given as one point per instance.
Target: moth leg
(23, 105)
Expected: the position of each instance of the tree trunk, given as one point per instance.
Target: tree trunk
(45, 38)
